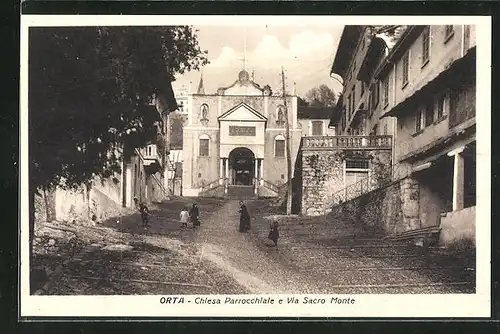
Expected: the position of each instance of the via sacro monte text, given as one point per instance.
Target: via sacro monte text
(256, 300)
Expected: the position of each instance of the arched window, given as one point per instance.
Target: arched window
(279, 146)
(204, 145)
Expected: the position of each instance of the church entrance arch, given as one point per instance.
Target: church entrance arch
(241, 165)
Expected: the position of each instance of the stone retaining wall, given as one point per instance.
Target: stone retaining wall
(390, 210)
(323, 175)
(458, 225)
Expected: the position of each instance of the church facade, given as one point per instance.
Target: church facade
(236, 138)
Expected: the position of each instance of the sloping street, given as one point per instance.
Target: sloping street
(315, 255)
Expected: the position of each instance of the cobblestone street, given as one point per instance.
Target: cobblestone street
(315, 255)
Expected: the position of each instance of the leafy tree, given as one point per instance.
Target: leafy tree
(321, 96)
(90, 92)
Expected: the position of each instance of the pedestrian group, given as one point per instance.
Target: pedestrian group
(193, 216)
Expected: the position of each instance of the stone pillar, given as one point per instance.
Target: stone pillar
(221, 171)
(226, 173)
(256, 168)
(226, 168)
(255, 173)
(458, 179)
(410, 204)
(262, 172)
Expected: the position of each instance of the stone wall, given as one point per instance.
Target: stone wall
(458, 225)
(82, 204)
(105, 198)
(323, 175)
(390, 209)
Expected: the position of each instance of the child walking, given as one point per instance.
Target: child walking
(274, 233)
(184, 217)
(144, 211)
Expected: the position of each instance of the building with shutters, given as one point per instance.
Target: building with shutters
(434, 71)
(421, 80)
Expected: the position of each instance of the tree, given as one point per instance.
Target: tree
(321, 96)
(90, 90)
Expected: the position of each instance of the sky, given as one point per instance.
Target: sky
(306, 52)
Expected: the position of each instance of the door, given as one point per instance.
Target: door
(354, 186)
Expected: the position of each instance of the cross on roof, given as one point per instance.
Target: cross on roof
(244, 58)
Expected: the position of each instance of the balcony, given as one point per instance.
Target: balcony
(151, 155)
(357, 142)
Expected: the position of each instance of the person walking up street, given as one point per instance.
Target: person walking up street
(244, 218)
(274, 233)
(144, 211)
(194, 215)
(184, 217)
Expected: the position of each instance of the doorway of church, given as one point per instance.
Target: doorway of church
(241, 164)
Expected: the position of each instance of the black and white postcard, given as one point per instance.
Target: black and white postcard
(255, 166)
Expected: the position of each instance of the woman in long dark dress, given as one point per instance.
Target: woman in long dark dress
(244, 218)
(194, 214)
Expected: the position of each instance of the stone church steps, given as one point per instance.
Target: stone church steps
(241, 192)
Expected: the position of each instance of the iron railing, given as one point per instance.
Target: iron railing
(396, 172)
(210, 186)
(271, 186)
(328, 142)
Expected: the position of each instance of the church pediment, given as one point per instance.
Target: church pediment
(242, 112)
(243, 86)
(247, 89)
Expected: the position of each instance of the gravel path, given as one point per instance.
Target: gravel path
(254, 267)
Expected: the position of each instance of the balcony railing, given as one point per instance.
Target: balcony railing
(329, 142)
(151, 153)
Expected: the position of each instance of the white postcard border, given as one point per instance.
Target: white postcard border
(414, 306)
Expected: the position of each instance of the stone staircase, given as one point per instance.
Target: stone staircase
(347, 260)
(240, 192)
